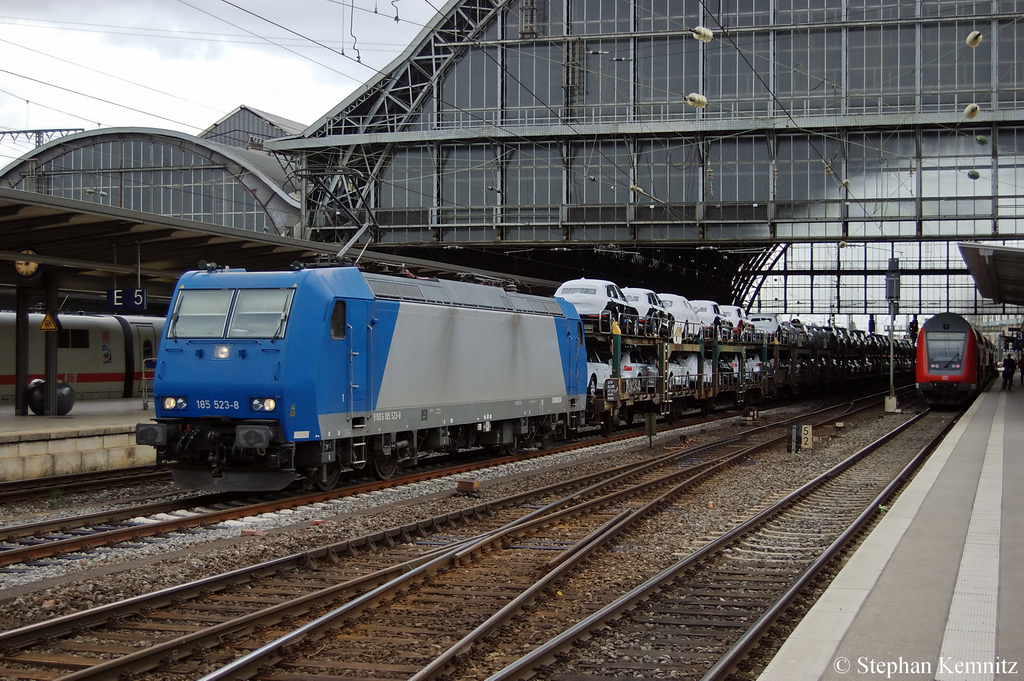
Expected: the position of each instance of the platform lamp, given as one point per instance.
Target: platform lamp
(892, 295)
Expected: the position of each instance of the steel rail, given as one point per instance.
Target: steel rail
(277, 650)
(19, 638)
(182, 647)
(547, 652)
(746, 643)
(15, 532)
(45, 488)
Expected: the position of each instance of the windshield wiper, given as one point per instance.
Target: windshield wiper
(279, 333)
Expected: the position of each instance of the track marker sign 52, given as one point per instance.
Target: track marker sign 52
(800, 437)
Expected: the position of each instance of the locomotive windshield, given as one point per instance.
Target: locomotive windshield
(945, 349)
(244, 313)
(200, 313)
(260, 313)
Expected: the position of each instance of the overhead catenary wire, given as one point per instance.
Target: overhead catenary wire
(98, 99)
(351, 4)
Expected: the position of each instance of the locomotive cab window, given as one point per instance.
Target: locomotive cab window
(260, 313)
(200, 313)
(338, 320)
(946, 349)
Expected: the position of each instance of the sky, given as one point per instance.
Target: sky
(184, 64)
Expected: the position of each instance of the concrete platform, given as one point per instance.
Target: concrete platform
(937, 590)
(95, 435)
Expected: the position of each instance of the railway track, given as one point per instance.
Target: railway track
(701, 617)
(199, 617)
(61, 486)
(59, 536)
(219, 619)
(55, 538)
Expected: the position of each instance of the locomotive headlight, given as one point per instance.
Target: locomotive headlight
(262, 404)
(175, 403)
(221, 351)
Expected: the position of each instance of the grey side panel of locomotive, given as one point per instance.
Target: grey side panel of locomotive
(447, 364)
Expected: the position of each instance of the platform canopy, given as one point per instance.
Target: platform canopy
(97, 247)
(998, 271)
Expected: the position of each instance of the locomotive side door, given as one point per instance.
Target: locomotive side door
(350, 330)
(576, 349)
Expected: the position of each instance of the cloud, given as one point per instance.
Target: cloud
(183, 65)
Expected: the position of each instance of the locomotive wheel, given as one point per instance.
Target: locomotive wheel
(384, 464)
(326, 476)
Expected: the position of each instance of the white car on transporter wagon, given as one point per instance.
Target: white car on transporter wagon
(597, 299)
(708, 313)
(737, 318)
(766, 322)
(686, 323)
(655, 320)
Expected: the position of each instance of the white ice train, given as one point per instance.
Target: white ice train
(99, 356)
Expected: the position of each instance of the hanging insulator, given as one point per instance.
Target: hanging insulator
(974, 39)
(703, 34)
(846, 183)
(973, 174)
(972, 111)
(981, 139)
(696, 101)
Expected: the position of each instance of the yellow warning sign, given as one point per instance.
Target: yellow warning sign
(48, 323)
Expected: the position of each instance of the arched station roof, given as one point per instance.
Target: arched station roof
(164, 172)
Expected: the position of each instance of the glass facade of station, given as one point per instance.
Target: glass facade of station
(153, 177)
(837, 134)
(227, 183)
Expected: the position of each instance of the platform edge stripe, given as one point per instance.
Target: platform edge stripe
(792, 658)
(970, 634)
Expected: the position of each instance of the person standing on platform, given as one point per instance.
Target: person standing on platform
(1009, 366)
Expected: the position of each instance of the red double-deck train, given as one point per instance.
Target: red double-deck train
(955, 361)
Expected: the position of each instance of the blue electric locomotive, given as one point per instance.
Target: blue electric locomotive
(265, 378)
